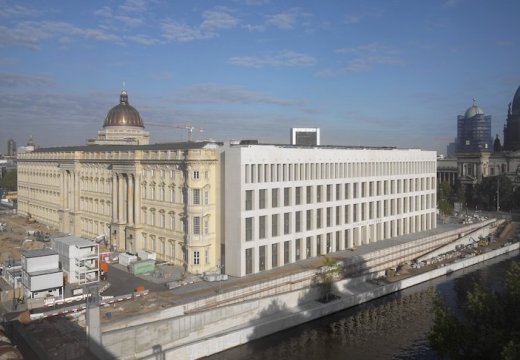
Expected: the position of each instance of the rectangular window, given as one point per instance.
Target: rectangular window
(274, 225)
(249, 229)
(196, 175)
(196, 225)
(286, 196)
(286, 223)
(261, 199)
(318, 218)
(309, 220)
(329, 216)
(196, 196)
(297, 221)
(319, 190)
(338, 192)
(261, 227)
(196, 258)
(249, 261)
(261, 258)
(286, 246)
(249, 199)
(298, 195)
(298, 249)
(274, 255)
(329, 192)
(274, 198)
(308, 193)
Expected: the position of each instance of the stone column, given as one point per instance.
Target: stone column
(114, 198)
(76, 191)
(131, 199)
(120, 198)
(137, 200)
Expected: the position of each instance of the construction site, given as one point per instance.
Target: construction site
(169, 312)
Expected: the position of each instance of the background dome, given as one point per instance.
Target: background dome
(515, 108)
(472, 111)
(123, 114)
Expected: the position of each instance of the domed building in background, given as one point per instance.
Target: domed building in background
(123, 126)
(512, 126)
(474, 131)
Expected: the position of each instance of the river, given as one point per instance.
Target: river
(393, 327)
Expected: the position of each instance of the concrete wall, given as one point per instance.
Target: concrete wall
(253, 319)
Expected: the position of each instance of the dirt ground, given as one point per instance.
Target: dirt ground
(12, 242)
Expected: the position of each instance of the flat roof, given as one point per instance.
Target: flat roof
(39, 252)
(74, 240)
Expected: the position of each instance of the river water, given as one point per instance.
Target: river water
(393, 327)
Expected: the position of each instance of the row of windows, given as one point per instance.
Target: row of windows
(172, 249)
(162, 173)
(282, 224)
(260, 173)
(333, 192)
(37, 193)
(285, 252)
(158, 193)
(200, 225)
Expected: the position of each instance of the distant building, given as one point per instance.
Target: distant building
(305, 136)
(512, 126)
(41, 274)
(474, 131)
(11, 147)
(451, 149)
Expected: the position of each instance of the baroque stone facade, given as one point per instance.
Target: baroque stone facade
(160, 198)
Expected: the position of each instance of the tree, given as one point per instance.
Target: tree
(487, 325)
(8, 182)
(485, 195)
(330, 270)
(445, 199)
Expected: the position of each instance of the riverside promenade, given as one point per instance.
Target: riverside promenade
(192, 325)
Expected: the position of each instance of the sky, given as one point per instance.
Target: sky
(378, 73)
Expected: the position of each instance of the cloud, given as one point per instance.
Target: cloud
(142, 39)
(218, 94)
(106, 12)
(282, 58)
(287, 20)
(364, 57)
(13, 80)
(31, 33)
(15, 10)
(134, 6)
(504, 43)
(252, 28)
(218, 18)
(452, 3)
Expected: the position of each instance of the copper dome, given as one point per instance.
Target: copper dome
(123, 114)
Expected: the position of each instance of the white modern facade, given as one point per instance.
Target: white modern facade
(79, 259)
(288, 203)
(41, 275)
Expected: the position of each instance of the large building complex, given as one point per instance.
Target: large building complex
(287, 203)
(161, 198)
(263, 205)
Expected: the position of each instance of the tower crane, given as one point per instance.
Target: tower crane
(189, 128)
